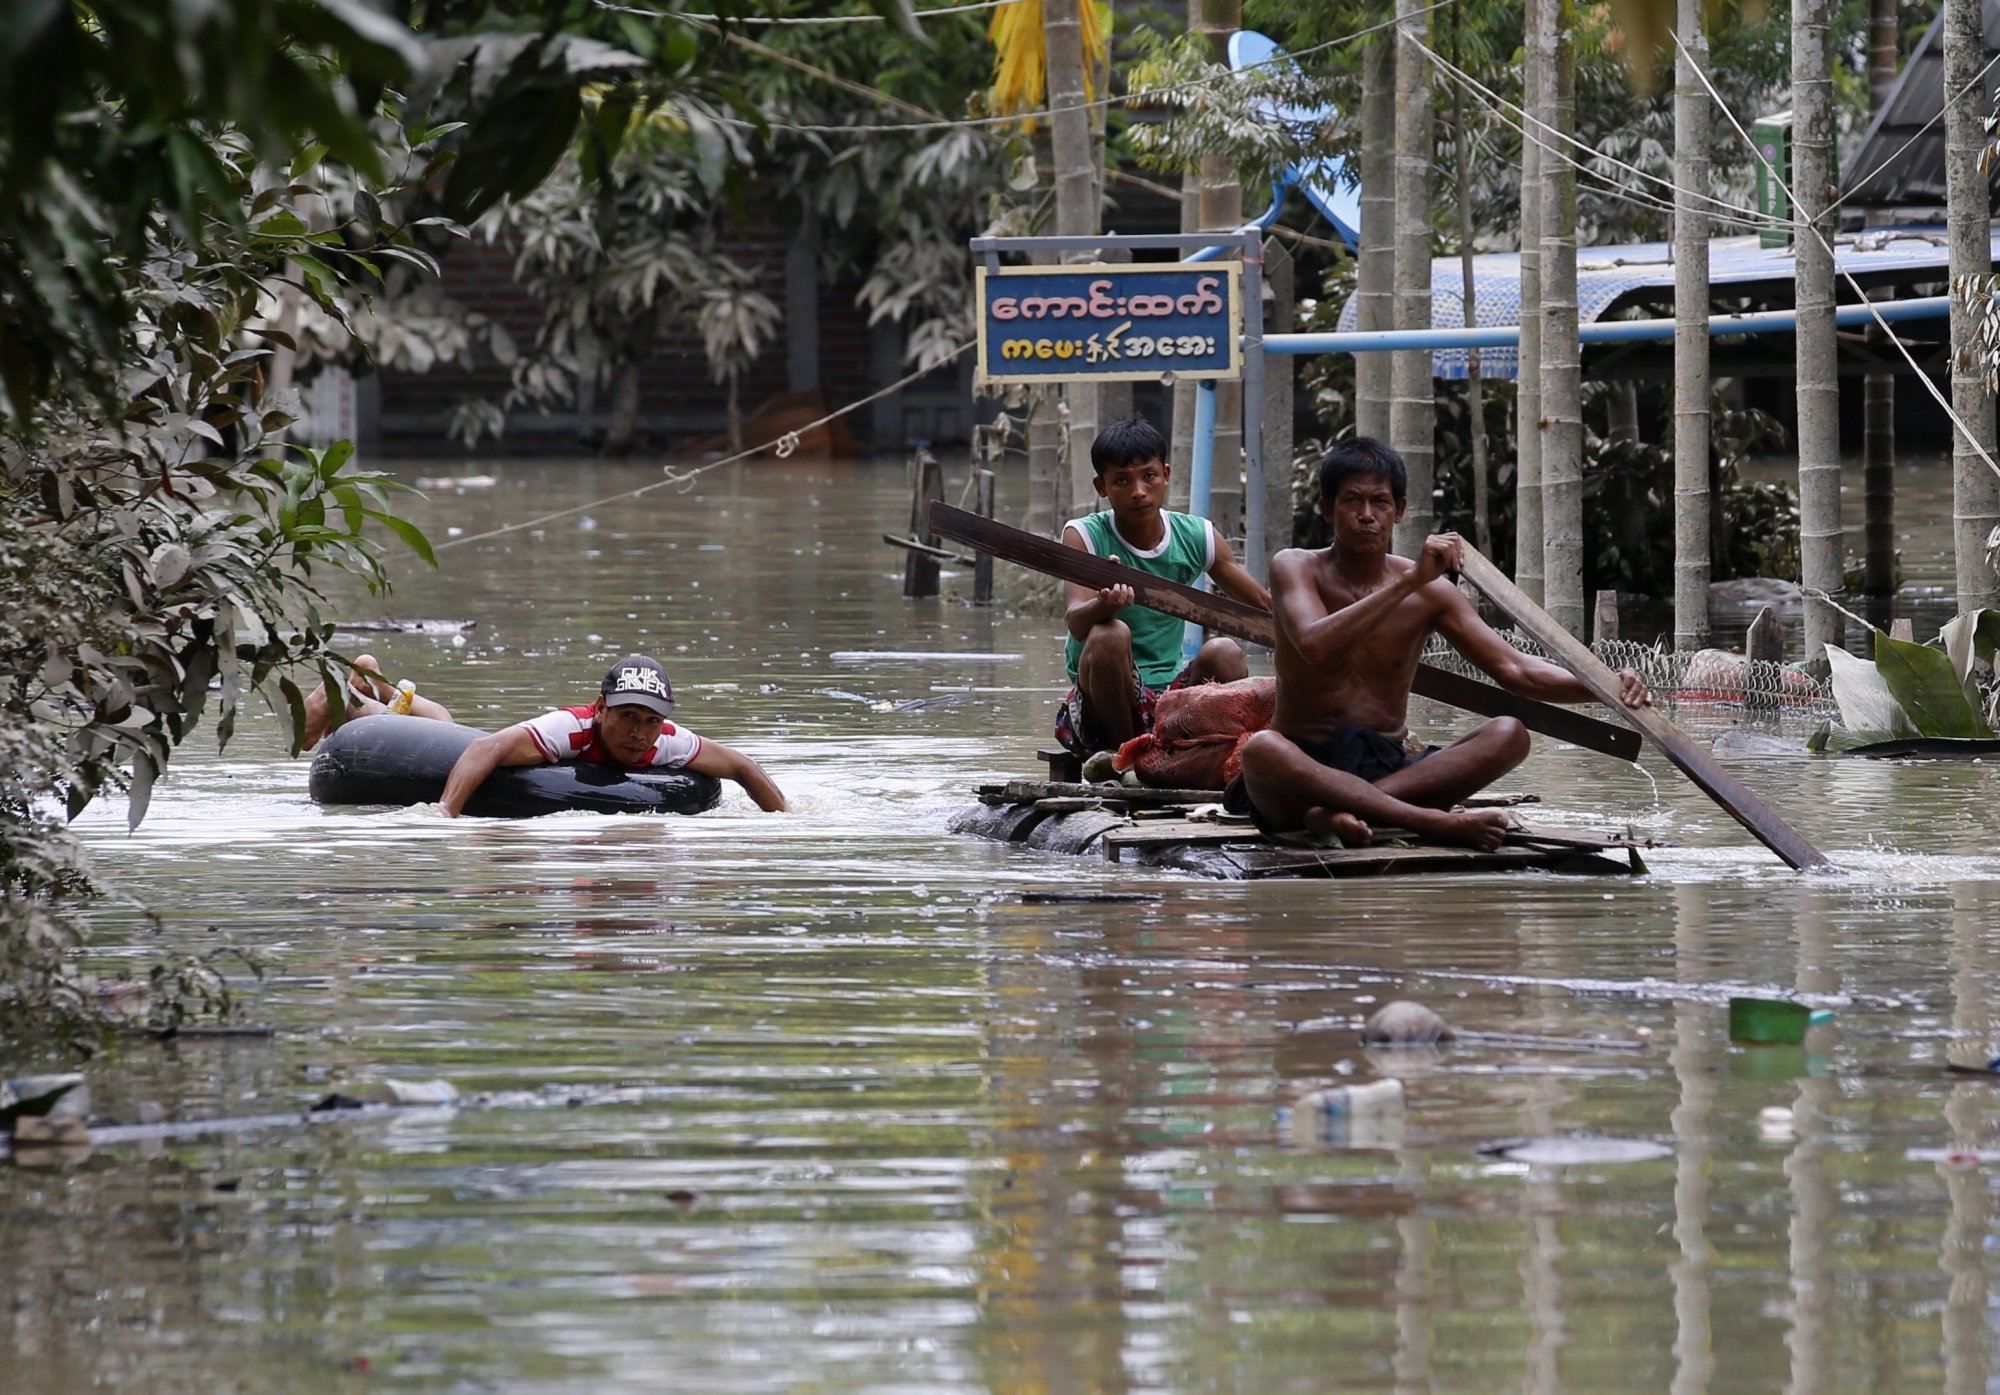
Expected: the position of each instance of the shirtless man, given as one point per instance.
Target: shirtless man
(1352, 621)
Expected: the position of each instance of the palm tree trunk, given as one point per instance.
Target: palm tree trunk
(1375, 278)
(1821, 555)
(1528, 378)
(1077, 184)
(1475, 389)
(1562, 355)
(1412, 400)
(1692, 386)
(1975, 494)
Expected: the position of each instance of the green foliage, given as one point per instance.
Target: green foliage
(109, 113)
(619, 248)
(155, 551)
(1207, 115)
(1943, 693)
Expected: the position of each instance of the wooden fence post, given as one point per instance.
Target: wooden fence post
(920, 572)
(1763, 643)
(1607, 615)
(982, 564)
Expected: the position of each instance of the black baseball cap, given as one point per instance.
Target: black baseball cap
(638, 680)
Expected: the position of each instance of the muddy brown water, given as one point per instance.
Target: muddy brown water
(819, 1102)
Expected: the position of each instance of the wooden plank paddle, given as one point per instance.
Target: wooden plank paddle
(1693, 761)
(1228, 616)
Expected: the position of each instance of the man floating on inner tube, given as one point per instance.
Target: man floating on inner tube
(626, 727)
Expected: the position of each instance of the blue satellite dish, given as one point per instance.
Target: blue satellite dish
(1324, 180)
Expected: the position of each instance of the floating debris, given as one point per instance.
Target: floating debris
(1774, 1122)
(885, 656)
(36, 1096)
(406, 627)
(1068, 898)
(1772, 1021)
(1583, 1152)
(1404, 1023)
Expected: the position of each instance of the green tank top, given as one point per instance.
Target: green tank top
(1185, 554)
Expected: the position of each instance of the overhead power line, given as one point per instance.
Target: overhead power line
(933, 121)
(1813, 229)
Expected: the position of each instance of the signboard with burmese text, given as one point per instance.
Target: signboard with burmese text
(1042, 324)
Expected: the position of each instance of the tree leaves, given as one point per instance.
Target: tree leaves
(1922, 681)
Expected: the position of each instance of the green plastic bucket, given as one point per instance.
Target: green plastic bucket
(1772, 1021)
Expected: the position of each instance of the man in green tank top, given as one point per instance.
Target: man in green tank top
(1122, 656)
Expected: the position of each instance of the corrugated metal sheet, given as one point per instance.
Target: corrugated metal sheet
(1893, 166)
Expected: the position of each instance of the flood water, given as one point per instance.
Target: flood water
(820, 1102)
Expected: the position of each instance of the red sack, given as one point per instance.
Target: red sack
(1198, 733)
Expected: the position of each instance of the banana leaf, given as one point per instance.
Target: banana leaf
(1969, 640)
(1866, 704)
(1927, 687)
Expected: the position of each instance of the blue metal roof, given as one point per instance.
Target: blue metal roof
(1606, 275)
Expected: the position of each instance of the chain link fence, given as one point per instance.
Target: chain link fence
(1698, 688)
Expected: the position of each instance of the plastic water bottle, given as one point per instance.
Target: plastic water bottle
(1347, 1116)
(1352, 1101)
(405, 698)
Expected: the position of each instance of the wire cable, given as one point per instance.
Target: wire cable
(782, 447)
(1459, 75)
(1813, 228)
(1897, 153)
(1151, 94)
(767, 20)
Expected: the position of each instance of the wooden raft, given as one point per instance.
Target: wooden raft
(1136, 826)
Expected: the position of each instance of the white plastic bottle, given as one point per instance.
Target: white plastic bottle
(1350, 1101)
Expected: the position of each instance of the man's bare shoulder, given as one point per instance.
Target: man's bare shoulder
(1294, 565)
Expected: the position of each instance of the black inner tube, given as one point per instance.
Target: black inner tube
(396, 760)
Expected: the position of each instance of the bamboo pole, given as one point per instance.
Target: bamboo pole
(1562, 352)
(1975, 495)
(1693, 1125)
(1822, 557)
(1375, 275)
(1412, 400)
(1962, 1249)
(1475, 388)
(1528, 379)
(1878, 390)
(1279, 385)
(1692, 384)
(1815, 1198)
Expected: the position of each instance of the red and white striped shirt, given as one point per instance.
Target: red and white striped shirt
(570, 733)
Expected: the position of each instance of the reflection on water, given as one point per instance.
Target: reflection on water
(762, 1103)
